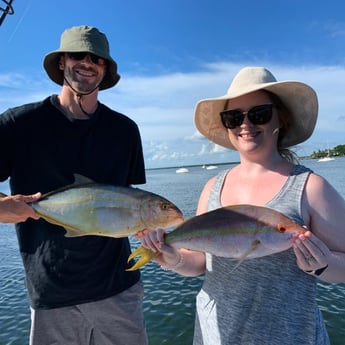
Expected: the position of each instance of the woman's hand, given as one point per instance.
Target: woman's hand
(154, 240)
(312, 254)
(183, 261)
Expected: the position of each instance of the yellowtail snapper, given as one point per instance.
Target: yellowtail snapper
(239, 232)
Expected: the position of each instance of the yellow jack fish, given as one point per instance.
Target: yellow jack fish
(89, 208)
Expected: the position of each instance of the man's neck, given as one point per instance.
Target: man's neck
(76, 108)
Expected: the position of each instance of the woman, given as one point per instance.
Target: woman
(269, 300)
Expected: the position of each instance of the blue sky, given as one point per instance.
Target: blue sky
(173, 53)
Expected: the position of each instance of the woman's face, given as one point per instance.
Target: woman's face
(249, 137)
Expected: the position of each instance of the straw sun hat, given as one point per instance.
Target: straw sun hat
(299, 98)
(82, 39)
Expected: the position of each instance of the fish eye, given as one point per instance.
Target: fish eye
(281, 228)
(164, 206)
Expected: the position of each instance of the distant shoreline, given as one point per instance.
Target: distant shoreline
(222, 163)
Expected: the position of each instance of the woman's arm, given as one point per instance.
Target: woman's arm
(324, 212)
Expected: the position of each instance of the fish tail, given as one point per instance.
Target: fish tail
(145, 256)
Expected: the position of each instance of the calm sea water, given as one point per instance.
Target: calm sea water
(169, 299)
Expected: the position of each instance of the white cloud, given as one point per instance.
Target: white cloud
(163, 106)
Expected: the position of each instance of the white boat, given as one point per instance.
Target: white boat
(182, 170)
(211, 167)
(326, 159)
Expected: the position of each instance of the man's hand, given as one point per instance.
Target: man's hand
(16, 208)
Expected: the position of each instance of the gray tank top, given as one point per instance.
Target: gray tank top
(265, 301)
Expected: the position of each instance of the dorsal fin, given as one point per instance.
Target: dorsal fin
(80, 179)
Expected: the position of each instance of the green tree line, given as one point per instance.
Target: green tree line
(336, 151)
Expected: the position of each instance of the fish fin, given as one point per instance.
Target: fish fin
(254, 245)
(70, 231)
(80, 179)
(145, 256)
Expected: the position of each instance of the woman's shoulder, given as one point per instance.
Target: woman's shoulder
(318, 186)
(217, 179)
(205, 195)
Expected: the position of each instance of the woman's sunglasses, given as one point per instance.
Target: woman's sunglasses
(78, 56)
(258, 115)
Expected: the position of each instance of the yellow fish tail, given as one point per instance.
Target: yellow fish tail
(145, 256)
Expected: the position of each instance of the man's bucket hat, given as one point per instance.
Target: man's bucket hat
(82, 39)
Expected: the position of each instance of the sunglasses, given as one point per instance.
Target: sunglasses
(78, 56)
(258, 115)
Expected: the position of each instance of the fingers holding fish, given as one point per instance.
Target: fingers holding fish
(311, 252)
(154, 240)
(142, 233)
(153, 247)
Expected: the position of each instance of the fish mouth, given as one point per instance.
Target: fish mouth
(177, 221)
(175, 214)
(166, 216)
(176, 218)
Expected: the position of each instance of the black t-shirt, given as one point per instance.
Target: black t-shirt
(40, 150)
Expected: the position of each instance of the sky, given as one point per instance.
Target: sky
(173, 53)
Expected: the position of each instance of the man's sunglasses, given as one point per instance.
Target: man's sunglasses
(78, 56)
(258, 115)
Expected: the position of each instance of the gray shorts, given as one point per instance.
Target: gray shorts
(117, 320)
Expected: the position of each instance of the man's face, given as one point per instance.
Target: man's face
(84, 71)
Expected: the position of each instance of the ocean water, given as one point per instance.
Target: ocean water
(169, 302)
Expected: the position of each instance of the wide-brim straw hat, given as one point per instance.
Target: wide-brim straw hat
(299, 98)
(82, 39)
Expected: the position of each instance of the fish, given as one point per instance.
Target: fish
(238, 231)
(89, 208)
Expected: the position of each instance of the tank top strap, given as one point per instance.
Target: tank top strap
(289, 198)
(214, 199)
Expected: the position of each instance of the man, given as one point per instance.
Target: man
(79, 289)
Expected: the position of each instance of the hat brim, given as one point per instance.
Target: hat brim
(299, 98)
(51, 65)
